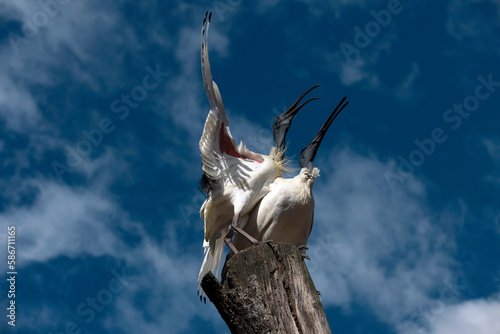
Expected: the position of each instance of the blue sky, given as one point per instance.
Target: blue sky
(102, 107)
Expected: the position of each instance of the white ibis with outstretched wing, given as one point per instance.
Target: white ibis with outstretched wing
(234, 178)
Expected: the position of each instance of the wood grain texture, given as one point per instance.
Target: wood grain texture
(268, 289)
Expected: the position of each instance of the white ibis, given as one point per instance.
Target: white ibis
(286, 213)
(234, 178)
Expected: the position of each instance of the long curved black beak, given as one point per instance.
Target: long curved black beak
(283, 122)
(309, 152)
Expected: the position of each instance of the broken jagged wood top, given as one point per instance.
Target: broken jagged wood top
(268, 289)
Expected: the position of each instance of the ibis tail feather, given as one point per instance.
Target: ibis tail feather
(212, 261)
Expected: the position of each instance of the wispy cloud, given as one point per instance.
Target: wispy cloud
(386, 251)
(363, 69)
(391, 254)
(62, 220)
(492, 146)
(474, 22)
(475, 316)
(76, 222)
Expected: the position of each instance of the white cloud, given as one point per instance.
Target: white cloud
(61, 45)
(264, 6)
(406, 90)
(17, 106)
(375, 247)
(479, 316)
(78, 222)
(390, 256)
(474, 22)
(353, 73)
(493, 147)
(343, 6)
(68, 55)
(362, 68)
(62, 221)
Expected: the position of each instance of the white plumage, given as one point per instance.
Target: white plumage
(286, 213)
(235, 178)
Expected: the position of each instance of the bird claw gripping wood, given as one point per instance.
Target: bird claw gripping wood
(304, 256)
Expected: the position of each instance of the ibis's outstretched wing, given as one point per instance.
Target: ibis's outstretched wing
(211, 88)
(228, 169)
(219, 151)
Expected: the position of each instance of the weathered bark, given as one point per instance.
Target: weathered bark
(268, 289)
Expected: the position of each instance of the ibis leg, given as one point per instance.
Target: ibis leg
(235, 227)
(228, 239)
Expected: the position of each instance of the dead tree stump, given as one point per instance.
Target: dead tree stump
(268, 289)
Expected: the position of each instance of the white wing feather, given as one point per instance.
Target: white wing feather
(229, 173)
(209, 142)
